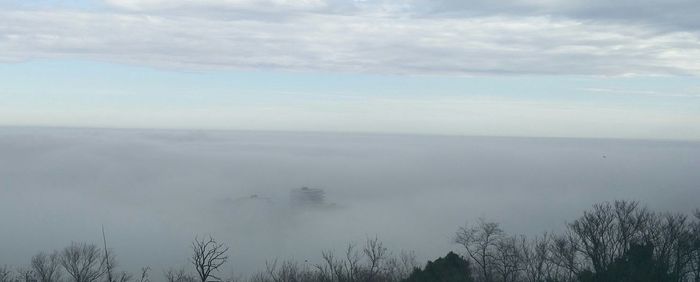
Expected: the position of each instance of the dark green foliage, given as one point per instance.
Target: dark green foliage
(451, 268)
(637, 265)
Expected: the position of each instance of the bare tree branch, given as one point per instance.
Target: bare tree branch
(207, 257)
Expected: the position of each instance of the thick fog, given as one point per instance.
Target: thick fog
(154, 190)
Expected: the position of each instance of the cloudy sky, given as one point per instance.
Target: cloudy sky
(627, 69)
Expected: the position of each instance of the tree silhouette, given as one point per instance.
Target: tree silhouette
(451, 268)
(480, 242)
(207, 257)
(83, 262)
(47, 267)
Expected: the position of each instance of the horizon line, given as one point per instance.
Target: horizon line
(340, 132)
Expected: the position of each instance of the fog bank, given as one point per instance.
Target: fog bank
(154, 190)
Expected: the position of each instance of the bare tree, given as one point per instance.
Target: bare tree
(408, 263)
(605, 233)
(260, 276)
(376, 255)
(289, 271)
(673, 244)
(331, 269)
(145, 277)
(536, 257)
(5, 274)
(179, 275)
(233, 277)
(346, 269)
(25, 274)
(508, 258)
(696, 254)
(399, 268)
(207, 257)
(46, 267)
(373, 262)
(603, 237)
(564, 255)
(83, 262)
(110, 264)
(480, 242)
(352, 263)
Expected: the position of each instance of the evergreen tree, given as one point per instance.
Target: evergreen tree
(451, 268)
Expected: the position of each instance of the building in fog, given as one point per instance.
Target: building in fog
(307, 197)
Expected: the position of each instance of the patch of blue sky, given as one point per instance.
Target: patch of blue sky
(78, 80)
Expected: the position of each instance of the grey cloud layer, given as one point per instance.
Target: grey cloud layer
(672, 14)
(412, 37)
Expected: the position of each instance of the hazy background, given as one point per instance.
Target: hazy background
(555, 68)
(154, 190)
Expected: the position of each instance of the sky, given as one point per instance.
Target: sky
(287, 75)
(600, 69)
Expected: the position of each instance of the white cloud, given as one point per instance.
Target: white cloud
(349, 36)
(364, 43)
(145, 5)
